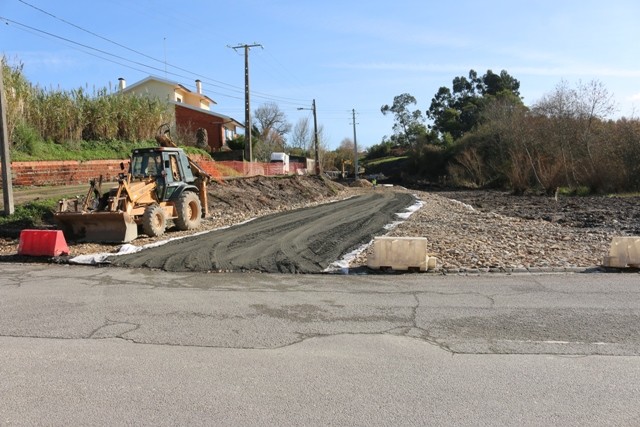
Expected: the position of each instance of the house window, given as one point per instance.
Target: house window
(178, 99)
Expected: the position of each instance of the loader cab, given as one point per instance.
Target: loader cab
(169, 167)
(177, 173)
(146, 164)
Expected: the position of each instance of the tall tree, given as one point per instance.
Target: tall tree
(572, 114)
(458, 110)
(272, 124)
(408, 124)
(302, 136)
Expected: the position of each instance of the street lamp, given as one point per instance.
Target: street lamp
(315, 134)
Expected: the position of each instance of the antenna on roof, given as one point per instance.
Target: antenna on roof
(164, 46)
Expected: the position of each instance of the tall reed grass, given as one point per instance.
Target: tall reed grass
(63, 116)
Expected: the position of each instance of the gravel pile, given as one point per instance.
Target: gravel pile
(465, 239)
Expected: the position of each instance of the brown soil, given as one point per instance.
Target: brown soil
(620, 215)
(249, 197)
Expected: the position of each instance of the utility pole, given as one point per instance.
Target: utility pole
(315, 136)
(247, 102)
(7, 187)
(355, 144)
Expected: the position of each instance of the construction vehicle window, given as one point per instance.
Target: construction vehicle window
(175, 169)
(148, 164)
(136, 166)
(155, 165)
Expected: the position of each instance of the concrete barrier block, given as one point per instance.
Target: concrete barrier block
(42, 243)
(400, 253)
(624, 252)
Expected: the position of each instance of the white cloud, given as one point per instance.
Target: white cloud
(577, 70)
(587, 71)
(42, 59)
(399, 66)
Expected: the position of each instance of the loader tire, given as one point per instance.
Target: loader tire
(189, 211)
(154, 221)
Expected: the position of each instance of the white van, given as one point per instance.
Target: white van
(281, 158)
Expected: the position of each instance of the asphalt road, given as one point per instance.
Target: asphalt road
(298, 241)
(96, 346)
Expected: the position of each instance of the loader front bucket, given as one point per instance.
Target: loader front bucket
(106, 227)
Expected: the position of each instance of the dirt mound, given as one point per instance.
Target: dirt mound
(361, 183)
(258, 194)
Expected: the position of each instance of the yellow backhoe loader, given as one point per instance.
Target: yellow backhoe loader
(162, 184)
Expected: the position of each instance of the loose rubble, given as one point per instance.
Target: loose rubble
(465, 239)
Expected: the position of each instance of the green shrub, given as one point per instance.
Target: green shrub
(25, 139)
(236, 143)
(34, 214)
(574, 191)
(39, 150)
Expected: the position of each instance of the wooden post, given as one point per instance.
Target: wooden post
(7, 187)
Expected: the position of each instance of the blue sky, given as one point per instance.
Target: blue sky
(344, 54)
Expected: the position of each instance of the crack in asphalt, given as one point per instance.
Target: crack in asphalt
(403, 324)
(113, 324)
(302, 337)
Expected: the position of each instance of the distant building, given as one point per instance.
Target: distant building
(192, 110)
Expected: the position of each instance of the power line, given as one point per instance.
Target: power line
(124, 46)
(221, 86)
(205, 79)
(88, 31)
(282, 67)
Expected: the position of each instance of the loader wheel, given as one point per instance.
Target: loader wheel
(189, 211)
(154, 221)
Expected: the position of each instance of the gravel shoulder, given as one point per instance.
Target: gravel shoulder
(466, 238)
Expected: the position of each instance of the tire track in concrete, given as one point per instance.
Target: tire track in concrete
(300, 241)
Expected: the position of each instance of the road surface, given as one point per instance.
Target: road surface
(116, 346)
(299, 241)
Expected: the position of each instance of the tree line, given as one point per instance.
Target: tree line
(479, 133)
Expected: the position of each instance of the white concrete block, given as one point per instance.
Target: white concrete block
(624, 252)
(400, 253)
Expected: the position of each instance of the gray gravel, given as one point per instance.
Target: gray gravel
(298, 241)
(467, 240)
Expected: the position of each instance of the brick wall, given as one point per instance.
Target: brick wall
(63, 172)
(74, 172)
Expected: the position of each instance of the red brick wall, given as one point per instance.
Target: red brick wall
(64, 172)
(73, 172)
(189, 121)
